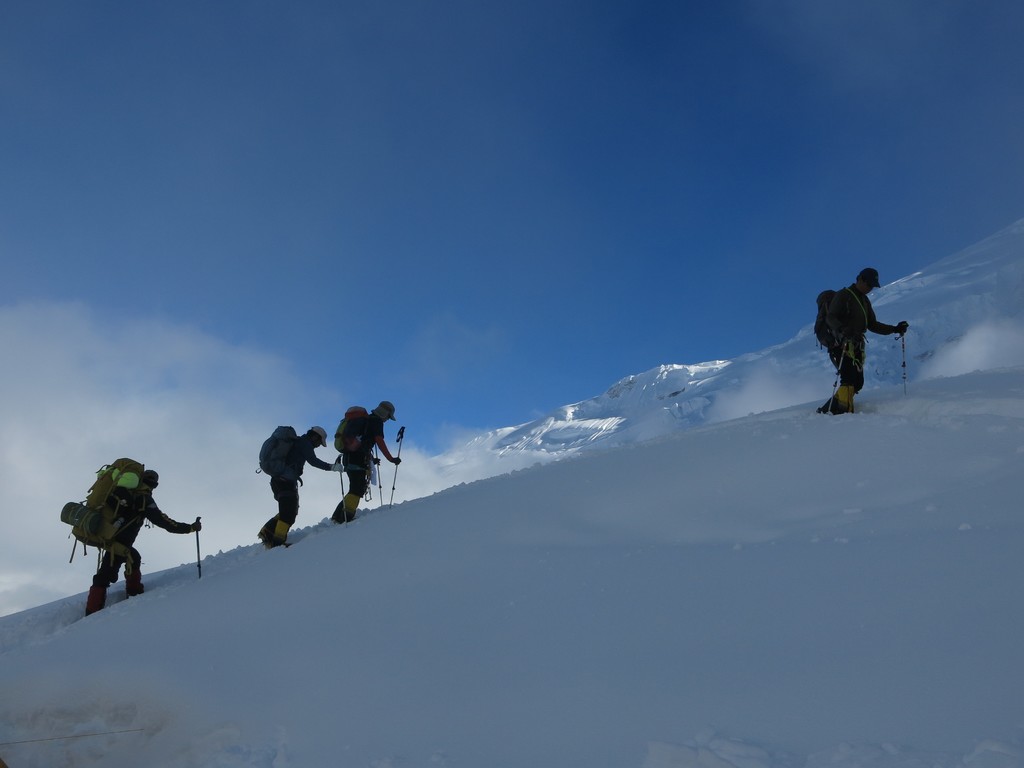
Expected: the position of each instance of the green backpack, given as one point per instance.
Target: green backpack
(92, 521)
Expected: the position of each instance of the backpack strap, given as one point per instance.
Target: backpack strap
(859, 304)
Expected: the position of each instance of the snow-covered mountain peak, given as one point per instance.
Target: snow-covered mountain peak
(975, 291)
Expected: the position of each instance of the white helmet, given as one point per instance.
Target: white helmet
(386, 410)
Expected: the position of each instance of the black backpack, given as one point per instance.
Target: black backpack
(275, 451)
(822, 332)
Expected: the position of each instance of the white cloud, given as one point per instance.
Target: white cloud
(80, 391)
(998, 344)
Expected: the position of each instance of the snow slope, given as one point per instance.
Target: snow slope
(965, 312)
(783, 589)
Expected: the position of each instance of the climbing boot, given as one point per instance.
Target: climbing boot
(96, 600)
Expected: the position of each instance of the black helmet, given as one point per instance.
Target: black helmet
(151, 478)
(870, 276)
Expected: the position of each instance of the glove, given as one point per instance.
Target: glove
(376, 461)
(197, 526)
(396, 461)
(901, 327)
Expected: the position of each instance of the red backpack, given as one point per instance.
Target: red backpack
(348, 437)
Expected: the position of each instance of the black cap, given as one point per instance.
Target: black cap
(870, 276)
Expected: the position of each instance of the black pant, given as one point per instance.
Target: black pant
(356, 465)
(851, 364)
(110, 567)
(357, 482)
(286, 493)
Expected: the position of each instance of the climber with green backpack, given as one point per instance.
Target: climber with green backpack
(848, 315)
(110, 518)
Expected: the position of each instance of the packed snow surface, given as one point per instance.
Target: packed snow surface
(784, 589)
(690, 570)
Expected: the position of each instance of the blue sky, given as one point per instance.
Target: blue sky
(483, 211)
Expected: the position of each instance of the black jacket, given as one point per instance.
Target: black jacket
(850, 315)
(370, 431)
(134, 508)
(302, 452)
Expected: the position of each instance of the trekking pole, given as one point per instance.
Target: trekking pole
(903, 344)
(401, 435)
(199, 561)
(827, 408)
(380, 484)
(835, 386)
(370, 469)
